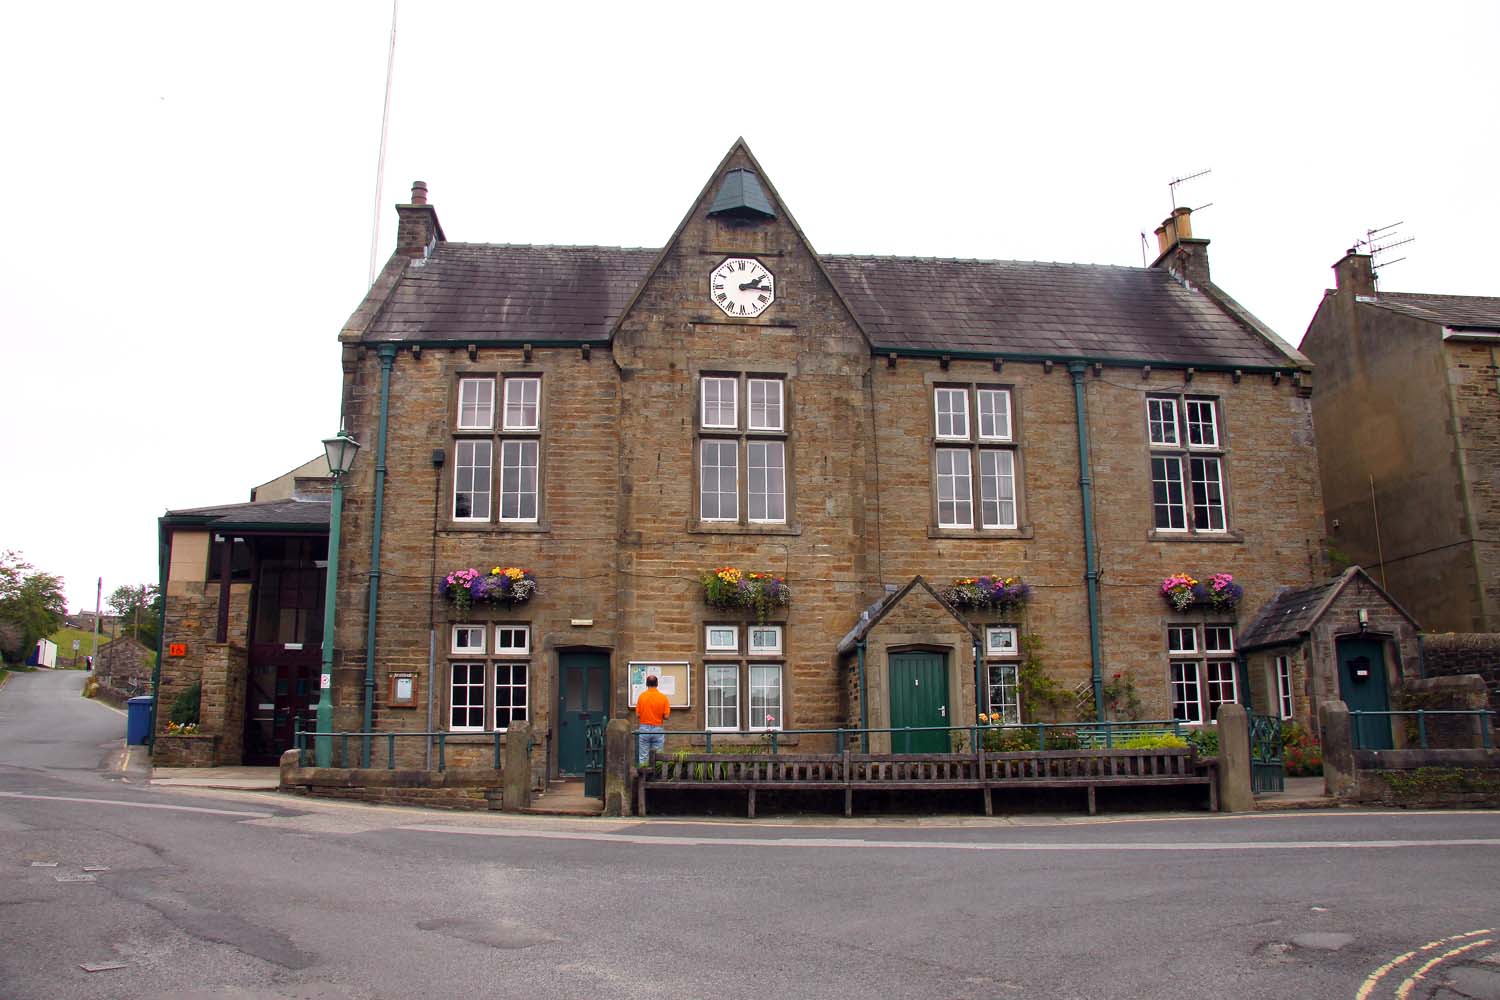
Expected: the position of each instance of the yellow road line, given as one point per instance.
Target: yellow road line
(1411, 981)
(1374, 978)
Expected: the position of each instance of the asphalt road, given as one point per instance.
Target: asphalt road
(255, 895)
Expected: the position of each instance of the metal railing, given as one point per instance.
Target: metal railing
(1037, 736)
(1486, 728)
(437, 740)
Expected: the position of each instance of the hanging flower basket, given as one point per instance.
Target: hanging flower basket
(505, 586)
(728, 587)
(1003, 592)
(1220, 593)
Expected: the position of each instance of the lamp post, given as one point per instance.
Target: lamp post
(340, 450)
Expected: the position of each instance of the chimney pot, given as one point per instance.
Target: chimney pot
(1183, 218)
(419, 192)
(1161, 240)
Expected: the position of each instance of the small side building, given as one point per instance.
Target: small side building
(1343, 640)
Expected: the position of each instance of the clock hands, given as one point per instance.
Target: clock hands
(754, 286)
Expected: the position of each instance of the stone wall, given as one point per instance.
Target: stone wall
(1386, 623)
(1465, 653)
(1474, 381)
(468, 788)
(123, 669)
(199, 750)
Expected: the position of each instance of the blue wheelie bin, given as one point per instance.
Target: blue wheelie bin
(138, 720)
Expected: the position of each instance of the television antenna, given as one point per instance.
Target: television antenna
(1381, 241)
(1174, 182)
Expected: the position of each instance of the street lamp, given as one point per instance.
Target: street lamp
(340, 449)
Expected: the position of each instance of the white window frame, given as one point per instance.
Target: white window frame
(1161, 415)
(998, 415)
(1180, 687)
(1175, 502)
(769, 498)
(459, 466)
(1008, 687)
(523, 384)
(1002, 640)
(962, 500)
(1221, 686)
(751, 715)
(1177, 632)
(1213, 508)
(1284, 687)
(468, 685)
(721, 446)
(710, 670)
(761, 650)
(765, 406)
(952, 416)
(466, 406)
(463, 634)
(510, 667)
(1193, 406)
(711, 646)
(719, 382)
(511, 474)
(1214, 640)
(524, 631)
(1189, 491)
(1001, 479)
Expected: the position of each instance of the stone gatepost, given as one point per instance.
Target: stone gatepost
(619, 768)
(1236, 794)
(515, 774)
(1339, 777)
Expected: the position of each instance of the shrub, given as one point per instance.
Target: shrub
(1206, 739)
(1154, 741)
(185, 706)
(1301, 752)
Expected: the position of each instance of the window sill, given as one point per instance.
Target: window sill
(1201, 537)
(739, 738)
(468, 739)
(497, 527)
(710, 528)
(1025, 531)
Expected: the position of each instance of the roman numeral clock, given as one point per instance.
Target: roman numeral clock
(741, 286)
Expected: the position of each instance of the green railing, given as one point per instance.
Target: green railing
(1021, 737)
(437, 743)
(1486, 728)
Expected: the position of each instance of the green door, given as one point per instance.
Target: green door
(919, 697)
(1362, 687)
(582, 697)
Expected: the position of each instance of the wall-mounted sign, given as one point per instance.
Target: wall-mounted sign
(176, 649)
(673, 679)
(403, 691)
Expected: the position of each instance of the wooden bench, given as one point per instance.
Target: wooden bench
(1084, 769)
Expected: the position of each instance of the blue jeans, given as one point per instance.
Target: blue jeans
(651, 738)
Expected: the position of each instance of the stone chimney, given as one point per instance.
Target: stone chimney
(1179, 251)
(418, 227)
(1355, 274)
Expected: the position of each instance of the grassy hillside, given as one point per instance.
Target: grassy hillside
(64, 638)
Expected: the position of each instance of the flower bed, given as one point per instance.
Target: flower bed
(1220, 593)
(728, 587)
(505, 586)
(987, 592)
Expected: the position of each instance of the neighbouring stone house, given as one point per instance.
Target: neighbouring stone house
(618, 423)
(1408, 424)
(123, 668)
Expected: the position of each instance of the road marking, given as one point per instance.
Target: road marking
(949, 845)
(1404, 993)
(139, 805)
(1374, 978)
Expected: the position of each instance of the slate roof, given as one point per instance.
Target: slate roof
(1288, 616)
(306, 515)
(1449, 310)
(539, 294)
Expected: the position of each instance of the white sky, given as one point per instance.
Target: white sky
(189, 186)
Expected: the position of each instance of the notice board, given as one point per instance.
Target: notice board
(674, 679)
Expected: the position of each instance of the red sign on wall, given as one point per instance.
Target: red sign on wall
(177, 649)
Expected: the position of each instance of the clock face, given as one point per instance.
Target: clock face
(741, 286)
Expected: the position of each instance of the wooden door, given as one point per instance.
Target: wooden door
(582, 697)
(919, 697)
(1363, 689)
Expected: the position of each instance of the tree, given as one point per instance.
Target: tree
(139, 609)
(31, 603)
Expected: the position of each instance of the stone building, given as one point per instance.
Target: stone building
(621, 423)
(1408, 421)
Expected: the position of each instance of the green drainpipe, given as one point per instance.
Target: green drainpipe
(1091, 573)
(387, 359)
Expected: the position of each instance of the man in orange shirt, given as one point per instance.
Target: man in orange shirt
(651, 710)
